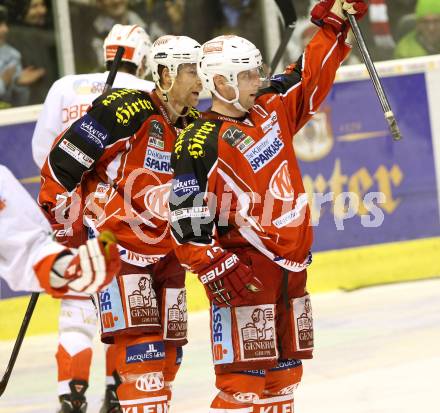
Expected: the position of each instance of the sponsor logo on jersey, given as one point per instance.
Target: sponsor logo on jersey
(194, 212)
(280, 185)
(197, 141)
(156, 200)
(237, 139)
(137, 259)
(233, 136)
(84, 86)
(222, 351)
(91, 131)
(155, 135)
(150, 382)
(267, 125)
(119, 94)
(2, 204)
(293, 214)
(264, 151)
(184, 185)
(245, 144)
(158, 161)
(145, 352)
(178, 146)
(257, 332)
(127, 111)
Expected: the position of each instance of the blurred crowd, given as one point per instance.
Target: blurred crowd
(28, 53)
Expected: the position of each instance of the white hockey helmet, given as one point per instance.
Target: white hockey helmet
(171, 52)
(228, 56)
(135, 40)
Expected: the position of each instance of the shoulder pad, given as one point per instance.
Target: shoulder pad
(128, 105)
(194, 137)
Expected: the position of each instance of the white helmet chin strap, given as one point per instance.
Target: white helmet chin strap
(165, 91)
(235, 102)
(168, 102)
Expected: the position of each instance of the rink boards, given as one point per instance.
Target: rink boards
(347, 157)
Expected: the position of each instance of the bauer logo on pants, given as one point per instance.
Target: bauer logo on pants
(303, 323)
(256, 326)
(140, 300)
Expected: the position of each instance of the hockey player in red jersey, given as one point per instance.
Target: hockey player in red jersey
(66, 101)
(119, 152)
(239, 212)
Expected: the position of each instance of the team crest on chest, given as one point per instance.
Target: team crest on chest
(280, 185)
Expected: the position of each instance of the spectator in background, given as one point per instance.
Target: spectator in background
(32, 34)
(110, 12)
(425, 38)
(14, 80)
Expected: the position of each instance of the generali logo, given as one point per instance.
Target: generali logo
(280, 185)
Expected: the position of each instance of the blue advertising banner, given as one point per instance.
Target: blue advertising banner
(16, 154)
(347, 154)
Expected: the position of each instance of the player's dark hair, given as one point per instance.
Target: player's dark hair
(127, 67)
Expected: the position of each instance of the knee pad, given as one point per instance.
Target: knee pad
(284, 378)
(238, 390)
(140, 363)
(279, 388)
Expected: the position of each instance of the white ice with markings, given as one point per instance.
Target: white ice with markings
(378, 351)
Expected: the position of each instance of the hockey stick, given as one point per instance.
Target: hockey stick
(34, 297)
(389, 115)
(289, 15)
(18, 341)
(114, 69)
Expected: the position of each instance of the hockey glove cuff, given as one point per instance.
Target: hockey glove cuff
(228, 282)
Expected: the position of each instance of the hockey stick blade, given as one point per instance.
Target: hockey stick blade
(18, 341)
(388, 113)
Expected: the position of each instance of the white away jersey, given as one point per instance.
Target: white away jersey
(25, 235)
(68, 100)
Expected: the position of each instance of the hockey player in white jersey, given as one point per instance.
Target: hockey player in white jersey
(68, 100)
(30, 260)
